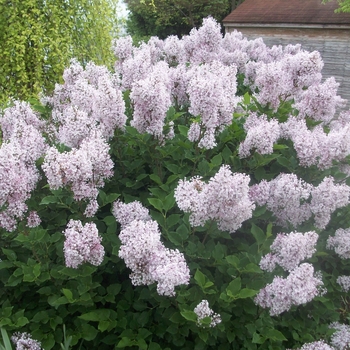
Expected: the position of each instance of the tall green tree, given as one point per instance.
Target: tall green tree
(39, 37)
(173, 17)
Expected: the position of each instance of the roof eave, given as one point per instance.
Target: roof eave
(286, 25)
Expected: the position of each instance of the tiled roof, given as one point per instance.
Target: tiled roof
(288, 12)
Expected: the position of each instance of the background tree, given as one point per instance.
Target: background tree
(176, 17)
(38, 38)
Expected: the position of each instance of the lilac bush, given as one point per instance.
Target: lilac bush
(207, 170)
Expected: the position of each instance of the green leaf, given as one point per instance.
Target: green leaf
(6, 339)
(96, 315)
(124, 342)
(246, 99)
(183, 130)
(216, 160)
(49, 199)
(68, 294)
(258, 234)
(174, 219)
(258, 339)
(269, 230)
(232, 260)
(189, 315)
(156, 203)
(10, 254)
(156, 179)
(276, 335)
(200, 278)
(169, 202)
(246, 293)
(234, 287)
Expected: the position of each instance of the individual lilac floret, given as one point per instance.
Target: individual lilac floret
(149, 260)
(285, 196)
(82, 244)
(33, 219)
(125, 214)
(326, 198)
(24, 341)
(261, 135)
(341, 338)
(300, 287)
(289, 250)
(344, 282)
(224, 199)
(202, 311)
(340, 243)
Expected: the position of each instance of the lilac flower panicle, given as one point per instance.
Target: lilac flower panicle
(33, 219)
(326, 198)
(288, 250)
(82, 244)
(203, 310)
(83, 170)
(344, 282)
(261, 135)
(320, 101)
(89, 100)
(149, 260)
(225, 199)
(341, 338)
(151, 99)
(18, 178)
(286, 197)
(125, 214)
(24, 341)
(340, 243)
(212, 95)
(300, 287)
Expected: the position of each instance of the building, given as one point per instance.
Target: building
(308, 22)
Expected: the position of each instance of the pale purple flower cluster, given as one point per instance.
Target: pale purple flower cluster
(22, 145)
(326, 198)
(125, 214)
(224, 199)
(285, 196)
(289, 250)
(33, 219)
(299, 287)
(82, 244)
(202, 310)
(286, 77)
(293, 201)
(261, 135)
(151, 99)
(24, 341)
(144, 253)
(344, 282)
(89, 99)
(340, 243)
(83, 170)
(341, 338)
(320, 101)
(211, 89)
